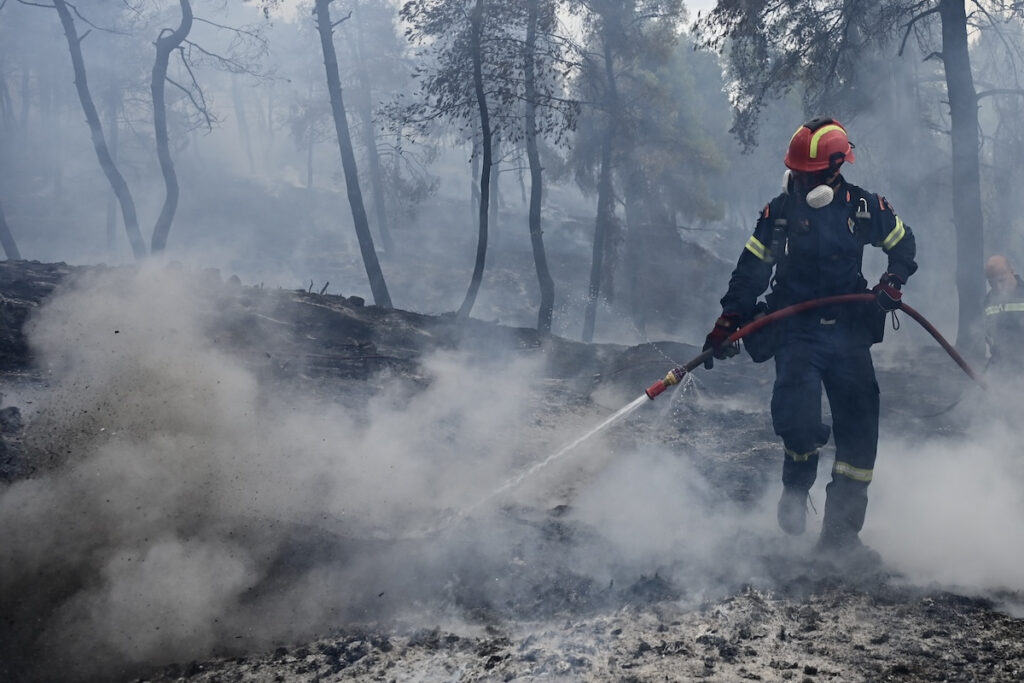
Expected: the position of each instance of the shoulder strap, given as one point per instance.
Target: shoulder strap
(780, 228)
(860, 201)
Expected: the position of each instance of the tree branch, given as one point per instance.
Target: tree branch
(251, 34)
(188, 93)
(203, 108)
(910, 25)
(1006, 43)
(343, 19)
(232, 65)
(89, 23)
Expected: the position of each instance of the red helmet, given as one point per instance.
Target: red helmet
(818, 145)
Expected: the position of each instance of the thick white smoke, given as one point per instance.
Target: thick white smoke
(198, 507)
(949, 510)
(184, 479)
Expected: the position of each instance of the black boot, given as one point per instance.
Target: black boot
(846, 502)
(792, 512)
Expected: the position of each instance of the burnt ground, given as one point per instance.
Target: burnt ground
(760, 607)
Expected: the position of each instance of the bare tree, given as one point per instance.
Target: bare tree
(7, 239)
(547, 284)
(167, 41)
(117, 181)
(476, 19)
(325, 27)
(364, 107)
(475, 76)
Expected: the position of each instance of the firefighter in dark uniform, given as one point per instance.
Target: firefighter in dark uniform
(1004, 317)
(808, 243)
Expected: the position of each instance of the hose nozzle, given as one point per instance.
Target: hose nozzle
(674, 376)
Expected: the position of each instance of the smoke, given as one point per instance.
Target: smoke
(194, 507)
(192, 499)
(948, 511)
(659, 514)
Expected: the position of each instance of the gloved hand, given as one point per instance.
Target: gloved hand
(724, 326)
(887, 292)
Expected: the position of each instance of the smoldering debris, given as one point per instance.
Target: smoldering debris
(834, 634)
(197, 505)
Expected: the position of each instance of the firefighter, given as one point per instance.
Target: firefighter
(808, 243)
(1004, 316)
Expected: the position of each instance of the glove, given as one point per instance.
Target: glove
(887, 292)
(724, 326)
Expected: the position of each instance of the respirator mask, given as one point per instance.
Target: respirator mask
(813, 186)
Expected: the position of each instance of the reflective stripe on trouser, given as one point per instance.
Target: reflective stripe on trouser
(833, 357)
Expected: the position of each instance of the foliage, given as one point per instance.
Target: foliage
(817, 46)
(667, 113)
(441, 29)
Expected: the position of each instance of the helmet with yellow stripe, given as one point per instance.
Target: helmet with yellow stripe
(821, 144)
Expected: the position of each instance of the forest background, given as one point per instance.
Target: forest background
(588, 167)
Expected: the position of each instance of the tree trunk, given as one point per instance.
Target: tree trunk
(967, 211)
(243, 122)
(124, 196)
(1006, 152)
(476, 28)
(270, 115)
(267, 119)
(547, 285)
(113, 109)
(474, 179)
(309, 162)
(26, 93)
(605, 199)
(7, 239)
(365, 107)
(6, 106)
(492, 224)
(165, 44)
(378, 287)
(56, 141)
(310, 144)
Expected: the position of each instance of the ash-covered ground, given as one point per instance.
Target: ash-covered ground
(215, 482)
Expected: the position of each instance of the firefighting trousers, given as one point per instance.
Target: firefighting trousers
(835, 356)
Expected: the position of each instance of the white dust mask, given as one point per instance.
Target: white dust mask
(820, 196)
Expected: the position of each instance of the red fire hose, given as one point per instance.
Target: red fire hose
(676, 374)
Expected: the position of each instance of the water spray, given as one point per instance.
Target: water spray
(678, 374)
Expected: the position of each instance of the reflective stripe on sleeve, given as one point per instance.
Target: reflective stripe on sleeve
(855, 473)
(895, 236)
(755, 247)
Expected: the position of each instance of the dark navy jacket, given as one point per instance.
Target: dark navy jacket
(820, 251)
